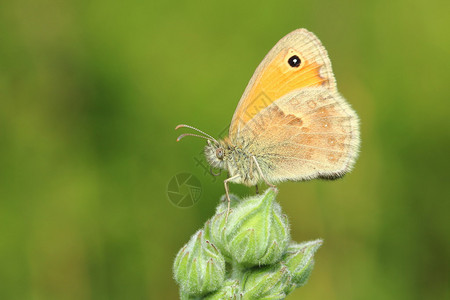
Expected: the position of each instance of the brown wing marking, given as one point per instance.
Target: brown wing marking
(306, 134)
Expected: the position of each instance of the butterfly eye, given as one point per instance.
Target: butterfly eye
(294, 61)
(219, 153)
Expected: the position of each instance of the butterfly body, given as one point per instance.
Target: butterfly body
(236, 159)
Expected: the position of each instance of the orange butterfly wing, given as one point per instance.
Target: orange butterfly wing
(275, 78)
(292, 118)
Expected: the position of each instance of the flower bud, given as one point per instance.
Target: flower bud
(199, 267)
(230, 290)
(256, 232)
(268, 282)
(223, 205)
(214, 228)
(299, 260)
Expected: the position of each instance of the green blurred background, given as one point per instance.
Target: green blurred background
(91, 91)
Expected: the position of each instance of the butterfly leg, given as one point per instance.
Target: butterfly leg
(261, 173)
(251, 170)
(227, 192)
(251, 176)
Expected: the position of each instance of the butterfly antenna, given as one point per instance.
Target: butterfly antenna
(196, 135)
(198, 130)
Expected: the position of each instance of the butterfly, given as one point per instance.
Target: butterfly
(291, 123)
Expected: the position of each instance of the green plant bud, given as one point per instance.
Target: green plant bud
(184, 296)
(299, 259)
(214, 228)
(223, 205)
(256, 232)
(199, 267)
(230, 290)
(267, 283)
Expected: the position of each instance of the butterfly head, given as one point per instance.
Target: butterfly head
(216, 154)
